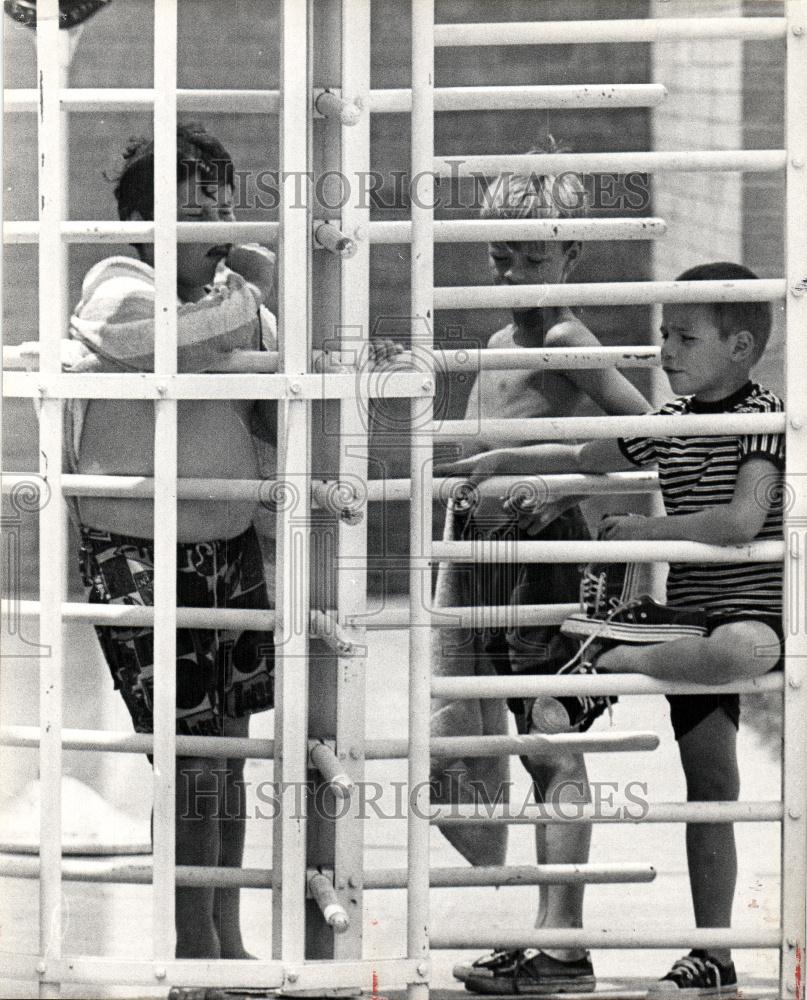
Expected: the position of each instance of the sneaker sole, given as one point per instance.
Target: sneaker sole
(488, 986)
(727, 993)
(645, 635)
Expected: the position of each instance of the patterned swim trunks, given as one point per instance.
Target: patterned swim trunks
(220, 673)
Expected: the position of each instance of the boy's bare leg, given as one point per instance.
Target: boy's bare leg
(709, 758)
(736, 650)
(561, 780)
(232, 833)
(197, 843)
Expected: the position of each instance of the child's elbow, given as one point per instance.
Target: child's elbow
(739, 529)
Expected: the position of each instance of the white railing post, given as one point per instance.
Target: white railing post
(293, 471)
(422, 319)
(351, 579)
(165, 475)
(794, 770)
(51, 519)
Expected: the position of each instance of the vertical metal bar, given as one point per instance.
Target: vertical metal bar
(794, 770)
(52, 297)
(422, 284)
(353, 439)
(165, 474)
(293, 550)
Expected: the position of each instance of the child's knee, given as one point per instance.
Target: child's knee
(743, 649)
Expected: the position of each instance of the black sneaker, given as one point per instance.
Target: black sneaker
(607, 586)
(526, 972)
(568, 713)
(642, 621)
(697, 975)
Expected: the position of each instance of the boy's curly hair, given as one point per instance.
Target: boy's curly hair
(536, 196)
(199, 155)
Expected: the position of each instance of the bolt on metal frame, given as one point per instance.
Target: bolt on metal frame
(295, 387)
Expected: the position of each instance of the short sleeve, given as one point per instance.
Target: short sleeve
(640, 451)
(769, 446)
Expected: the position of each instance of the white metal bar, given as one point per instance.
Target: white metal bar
(488, 551)
(386, 101)
(223, 973)
(127, 873)
(447, 231)
(143, 232)
(574, 428)
(51, 517)
(619, 95)
(625, 811)
(293, 549)
(233, 618)
(420, 511)
(377, 490)
(461, 936)
(708, 160)
(165, 477)
(614, 293)
(351, 577)
(582, 32)
(794, 769)
(565, 684)
(127, 385)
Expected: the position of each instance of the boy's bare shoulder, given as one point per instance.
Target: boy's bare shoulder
(570, 333)
(503, 337)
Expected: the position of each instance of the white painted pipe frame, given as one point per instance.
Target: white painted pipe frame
(52, 299)
(381, 101)
(459, 936)
(601, 293)
(128, 615)
(165, 478)
(624, 811)
(616, 31)
(794, 765)
(707, 161)
(511, 550)
(128, 873)
(445, 231)
(27, 737)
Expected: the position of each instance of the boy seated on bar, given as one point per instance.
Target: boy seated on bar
(723, 621)
(524, 648)
(221, 676)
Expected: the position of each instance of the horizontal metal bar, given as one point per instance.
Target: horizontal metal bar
(556, 685)
(591, 428)
(542, 487)
(91, 231)
(600, 293)
(128, 615)
(383, 101)
(326, 385)
(27, 738)
(707, 161)
(142, 98)
(503, 551)
(581, 32)
(224, 973)
(503, 746)
(623, 811)
(103, 871)
(619, 95)
(459, 935)
(25, 357)
(447, 231)
(501, 616)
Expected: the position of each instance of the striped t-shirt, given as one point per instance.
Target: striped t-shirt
(700, 472)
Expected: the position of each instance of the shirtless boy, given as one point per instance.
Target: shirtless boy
(221, 676)
(539, 393)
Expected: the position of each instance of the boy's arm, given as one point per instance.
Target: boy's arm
(545, 459)
(735, 523)
(608, 387)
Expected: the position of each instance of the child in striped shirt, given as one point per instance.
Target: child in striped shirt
(723, 621)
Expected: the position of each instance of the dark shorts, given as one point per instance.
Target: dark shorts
(219, 673)
(528, 649)
(688, 710)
